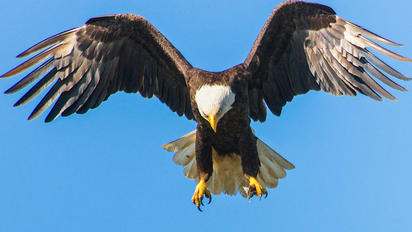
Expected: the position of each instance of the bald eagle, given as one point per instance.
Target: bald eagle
(303, 46)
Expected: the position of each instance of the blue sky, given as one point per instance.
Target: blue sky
(106, 171)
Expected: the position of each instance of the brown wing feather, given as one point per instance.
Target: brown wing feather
(109, 54)
(305, 46)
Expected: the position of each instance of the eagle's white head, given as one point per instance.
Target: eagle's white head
(214, 101)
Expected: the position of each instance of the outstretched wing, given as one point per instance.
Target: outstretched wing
(305, 46)
(109, 54)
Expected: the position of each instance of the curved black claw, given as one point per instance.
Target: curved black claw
(266, 195)
(210, 199)
(201, 202)
(207, 195)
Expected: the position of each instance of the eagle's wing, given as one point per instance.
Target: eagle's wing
(304, 46)
(109, 54)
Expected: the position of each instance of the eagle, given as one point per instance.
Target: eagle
(302, 46)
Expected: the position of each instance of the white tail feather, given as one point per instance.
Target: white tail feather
(228, 176)
(184, 141)
(191, 170)
(183, 157)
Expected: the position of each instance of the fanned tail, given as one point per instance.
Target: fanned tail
(228, 176)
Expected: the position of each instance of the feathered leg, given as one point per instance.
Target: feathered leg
(204, 161)
(251, 163)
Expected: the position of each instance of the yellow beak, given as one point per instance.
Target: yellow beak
(213, 122)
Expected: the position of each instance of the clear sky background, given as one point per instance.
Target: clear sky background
(106, 171)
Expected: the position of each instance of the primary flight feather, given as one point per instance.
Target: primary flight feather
(303, 46)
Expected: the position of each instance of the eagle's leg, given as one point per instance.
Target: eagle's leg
(255, 189)
(251, 163)
(201, 190)
(204, 162)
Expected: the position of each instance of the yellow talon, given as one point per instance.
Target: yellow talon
(199, 192)
(255, 188)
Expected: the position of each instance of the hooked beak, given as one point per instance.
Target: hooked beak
(213, 122)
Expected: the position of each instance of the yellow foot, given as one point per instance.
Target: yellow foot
(199, 192)
(255, 189)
